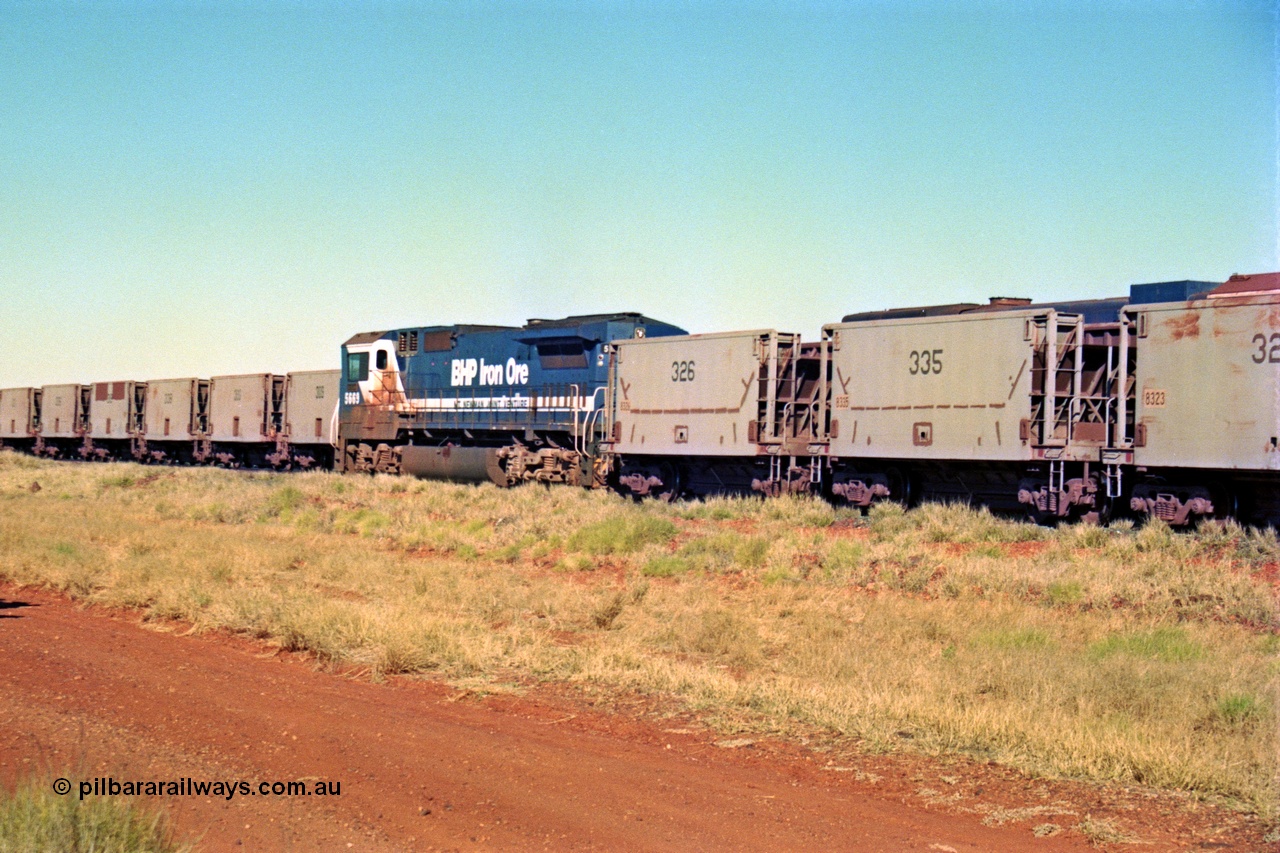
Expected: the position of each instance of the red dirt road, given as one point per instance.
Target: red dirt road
(87, 693)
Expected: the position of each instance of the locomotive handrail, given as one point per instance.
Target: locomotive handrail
(577, 443)
(594, 414)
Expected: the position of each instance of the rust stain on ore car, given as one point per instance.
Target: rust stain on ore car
(1185, 325)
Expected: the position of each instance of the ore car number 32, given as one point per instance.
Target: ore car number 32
(1264, 354)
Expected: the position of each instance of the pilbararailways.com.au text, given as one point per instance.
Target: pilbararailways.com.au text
(111, 787)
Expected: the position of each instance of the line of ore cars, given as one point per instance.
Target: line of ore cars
(1165, 403)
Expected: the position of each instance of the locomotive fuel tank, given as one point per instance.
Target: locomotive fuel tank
(460, 464)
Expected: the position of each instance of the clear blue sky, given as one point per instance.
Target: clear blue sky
(192, 188)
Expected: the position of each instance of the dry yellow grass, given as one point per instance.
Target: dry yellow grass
(1107, 654)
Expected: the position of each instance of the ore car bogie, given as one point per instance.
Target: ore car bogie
(1164, 404)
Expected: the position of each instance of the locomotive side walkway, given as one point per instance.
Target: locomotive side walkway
(87, 693)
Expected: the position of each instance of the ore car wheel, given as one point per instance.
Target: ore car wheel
(1226, 504)
(1099, 513)
(672, 483)
(1106, 511)
(1041, 519)
(901, 489)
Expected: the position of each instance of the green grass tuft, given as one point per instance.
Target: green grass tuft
(1012, 638)
(622, 536)
(1165, 644)
(33, 819)
(1064, 593)
(665, 567)
(1237, 709)
(284, 503)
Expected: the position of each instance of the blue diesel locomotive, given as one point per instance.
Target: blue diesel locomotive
(499, 403)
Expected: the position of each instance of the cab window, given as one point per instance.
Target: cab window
(357, 366)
